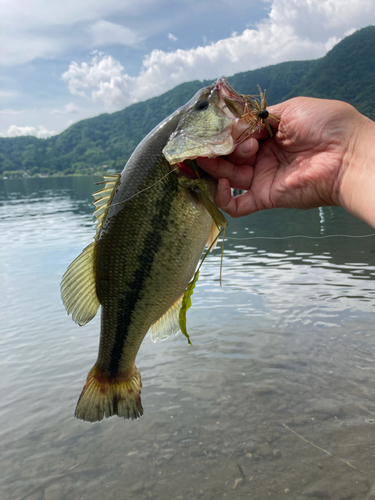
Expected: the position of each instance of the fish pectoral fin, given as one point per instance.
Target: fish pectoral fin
(213, 237)
(218, 218)
(78, 287)
(168, 324)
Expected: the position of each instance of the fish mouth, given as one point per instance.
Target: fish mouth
(234, 102)
(233, 105)
(225, 90)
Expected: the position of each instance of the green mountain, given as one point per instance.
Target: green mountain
(347, 73)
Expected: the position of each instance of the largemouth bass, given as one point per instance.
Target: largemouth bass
(153, 222)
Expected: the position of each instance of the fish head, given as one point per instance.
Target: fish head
(207, 127)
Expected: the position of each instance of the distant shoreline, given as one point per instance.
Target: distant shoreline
(51, 176)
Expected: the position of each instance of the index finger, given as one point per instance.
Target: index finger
(239, 176)
(275, 110)
(244, 152)
(247, 146)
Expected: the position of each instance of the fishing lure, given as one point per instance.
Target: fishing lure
(256, 113)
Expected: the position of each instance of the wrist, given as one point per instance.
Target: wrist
(356, 188)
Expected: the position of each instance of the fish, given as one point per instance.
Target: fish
(152, 223)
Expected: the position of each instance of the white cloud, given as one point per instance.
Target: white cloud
(331, 42)
(290, 30)
(10, 111)
(317, 20)
(71, 108)
(40, 131)
(294, 30)
(68, 109)
(8, 94)
(50, 28)
(21, 47)
(103, 79)
(105, 33)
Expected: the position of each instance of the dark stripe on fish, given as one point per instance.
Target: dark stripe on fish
(153, 242)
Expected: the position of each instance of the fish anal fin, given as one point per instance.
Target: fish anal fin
(78, 287)
(104, 396)
(168, 324)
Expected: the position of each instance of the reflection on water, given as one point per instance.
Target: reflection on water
(288, 339)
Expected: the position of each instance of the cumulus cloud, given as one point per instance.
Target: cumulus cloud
(293, 30)
(101, 79)
(40, 131)
(172, 37)
(317, 20)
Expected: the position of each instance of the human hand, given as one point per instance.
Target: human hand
(314, 159)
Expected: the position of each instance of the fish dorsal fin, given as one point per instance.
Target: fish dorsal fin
(168, 324)
(78, 287)
(103, 199)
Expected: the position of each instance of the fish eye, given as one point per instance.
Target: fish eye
(263, 114)
(201, 105)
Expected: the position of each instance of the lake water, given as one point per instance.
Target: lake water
(282, 368)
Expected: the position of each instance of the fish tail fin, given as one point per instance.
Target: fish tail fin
(104, 396)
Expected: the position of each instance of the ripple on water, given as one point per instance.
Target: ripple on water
(288, 339)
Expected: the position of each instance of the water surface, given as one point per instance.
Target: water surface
(283, 359)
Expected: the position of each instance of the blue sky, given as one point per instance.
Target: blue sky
(61, 62)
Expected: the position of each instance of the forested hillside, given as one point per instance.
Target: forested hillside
(347, 72)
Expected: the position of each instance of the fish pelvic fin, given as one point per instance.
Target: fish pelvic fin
(78, 287)
(104, 396)
(168, 324)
